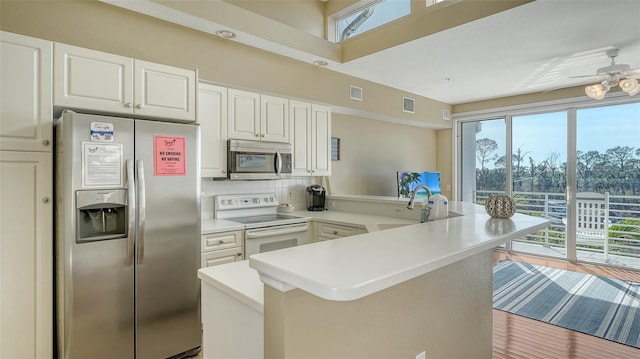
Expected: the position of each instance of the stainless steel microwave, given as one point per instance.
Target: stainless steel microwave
(257, 160)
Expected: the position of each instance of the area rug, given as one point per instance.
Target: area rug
(599, 306)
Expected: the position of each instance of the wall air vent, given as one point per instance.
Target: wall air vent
(446, 115)
(408, 105)
(356, 93)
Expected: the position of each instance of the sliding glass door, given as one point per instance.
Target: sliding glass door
(579, 167)
(607, 222)
(539, 158)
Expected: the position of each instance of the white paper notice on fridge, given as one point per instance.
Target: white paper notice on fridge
(101, 164)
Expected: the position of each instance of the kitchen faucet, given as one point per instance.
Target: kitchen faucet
(413, 195)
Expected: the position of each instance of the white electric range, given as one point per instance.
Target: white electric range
(265, 229)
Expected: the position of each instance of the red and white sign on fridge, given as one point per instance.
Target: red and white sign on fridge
(169, 156)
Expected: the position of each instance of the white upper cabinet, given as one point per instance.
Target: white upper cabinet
(244, 115)
(212, 117)
(89, 79)
(311, 126)
(274, 119)
(301, 128)
(320, 140)
(103, 82)
(258, 117)
(164, 91)
(26, 110)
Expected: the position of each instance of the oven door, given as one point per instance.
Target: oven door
(259, 240)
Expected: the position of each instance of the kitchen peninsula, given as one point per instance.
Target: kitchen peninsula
(390, 293)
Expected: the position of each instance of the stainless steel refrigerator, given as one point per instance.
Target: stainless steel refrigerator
(127, 237)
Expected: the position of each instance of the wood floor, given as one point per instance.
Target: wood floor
(519, 337)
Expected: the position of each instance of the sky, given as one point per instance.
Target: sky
(539, 135)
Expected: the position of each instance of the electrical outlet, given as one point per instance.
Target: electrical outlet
(398, 210)
(422, 355)
(448, 188)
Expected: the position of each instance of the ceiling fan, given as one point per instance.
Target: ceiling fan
(613, 75)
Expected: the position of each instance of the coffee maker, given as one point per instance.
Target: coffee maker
(315, 198)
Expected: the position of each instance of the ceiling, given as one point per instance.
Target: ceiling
(531, 48)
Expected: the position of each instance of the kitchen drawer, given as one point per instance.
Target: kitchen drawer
(331, 231)
(224, 256)
(222, 240)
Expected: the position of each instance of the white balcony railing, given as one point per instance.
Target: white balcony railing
(621, 239)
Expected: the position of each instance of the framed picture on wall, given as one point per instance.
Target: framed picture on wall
(335, 149)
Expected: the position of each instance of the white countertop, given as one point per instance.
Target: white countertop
(237, 280)
(370, 222)
(212, 225)
(353, 267)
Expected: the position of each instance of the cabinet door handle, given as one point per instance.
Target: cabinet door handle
(128, 105)
(221, 241)
(262, 135)
(45, 142)
(139, 106)
(239, 254)
(257, 135)
(45, 199)
(335, 232)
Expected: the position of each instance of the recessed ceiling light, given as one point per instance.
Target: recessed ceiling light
(226, 34)
(320, 63)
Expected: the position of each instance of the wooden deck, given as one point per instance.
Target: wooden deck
(519, 337)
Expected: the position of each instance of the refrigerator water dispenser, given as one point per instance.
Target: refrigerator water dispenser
(101, 215)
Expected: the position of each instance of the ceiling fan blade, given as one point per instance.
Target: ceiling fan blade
(582, 76)
(633, 71)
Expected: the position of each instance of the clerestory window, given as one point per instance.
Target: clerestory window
(371, 16)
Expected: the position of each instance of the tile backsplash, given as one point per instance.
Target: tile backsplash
(281, 188)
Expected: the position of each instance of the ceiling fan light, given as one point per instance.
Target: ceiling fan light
(629, 86)
(596, 91)
(634, 91)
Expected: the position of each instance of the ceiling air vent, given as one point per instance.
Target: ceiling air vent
(356, 93)
(408, 105)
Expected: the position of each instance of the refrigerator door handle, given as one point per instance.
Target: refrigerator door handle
(140, 185)
(131, 203)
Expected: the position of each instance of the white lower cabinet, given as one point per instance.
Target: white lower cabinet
(222, 247)
(326, 231)
(26, 255)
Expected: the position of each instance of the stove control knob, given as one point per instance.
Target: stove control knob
(231, 202)
(256, 200)
(223, 202)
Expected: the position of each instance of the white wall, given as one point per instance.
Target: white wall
(372, 151)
